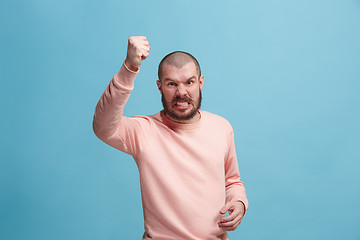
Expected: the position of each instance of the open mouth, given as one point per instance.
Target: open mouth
(181, 105)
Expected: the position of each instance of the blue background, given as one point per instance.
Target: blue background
(284, 73)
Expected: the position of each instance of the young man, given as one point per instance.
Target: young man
(186, 157)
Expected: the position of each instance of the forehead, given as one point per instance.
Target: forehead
(172, 72)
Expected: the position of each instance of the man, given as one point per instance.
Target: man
(186, 157)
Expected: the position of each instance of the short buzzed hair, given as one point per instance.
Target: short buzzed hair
(178, 59)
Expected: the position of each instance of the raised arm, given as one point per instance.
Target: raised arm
(109, 125)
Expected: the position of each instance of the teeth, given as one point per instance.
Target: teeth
(182, 103)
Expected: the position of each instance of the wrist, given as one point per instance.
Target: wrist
(244, 207)
(130, 67)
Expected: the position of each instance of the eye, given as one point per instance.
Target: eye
(190, 82)
(171, 84)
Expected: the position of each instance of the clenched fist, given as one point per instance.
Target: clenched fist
(138, 50)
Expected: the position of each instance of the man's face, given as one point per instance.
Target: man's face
(181, 92)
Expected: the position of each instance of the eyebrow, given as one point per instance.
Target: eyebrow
(169, 79)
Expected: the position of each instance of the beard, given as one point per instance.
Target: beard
(181, 117)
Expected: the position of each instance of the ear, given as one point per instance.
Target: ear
(158, 83)
(201, 81)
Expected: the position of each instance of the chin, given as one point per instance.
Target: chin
(182, 115)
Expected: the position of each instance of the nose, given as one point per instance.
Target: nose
(181, 90)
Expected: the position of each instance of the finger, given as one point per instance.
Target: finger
(140, 37)
(137, 41)
(224, 209)
(230, 223)
(143, 42)
(144, 55)
(231, 216)
(231, 227)
(134, 39)
(146, 48)
(146, 43)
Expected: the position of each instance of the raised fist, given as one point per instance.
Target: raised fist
(138, 50)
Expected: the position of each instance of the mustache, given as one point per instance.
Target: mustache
(187, 99)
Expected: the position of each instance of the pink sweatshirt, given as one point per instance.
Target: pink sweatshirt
(187, 171)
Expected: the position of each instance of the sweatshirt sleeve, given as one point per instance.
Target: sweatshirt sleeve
(234, 187)
(109, 124)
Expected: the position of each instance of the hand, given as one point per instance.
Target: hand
(236, 213)
(138, 50)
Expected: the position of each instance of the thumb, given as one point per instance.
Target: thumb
(144, 55)
(224, 209)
